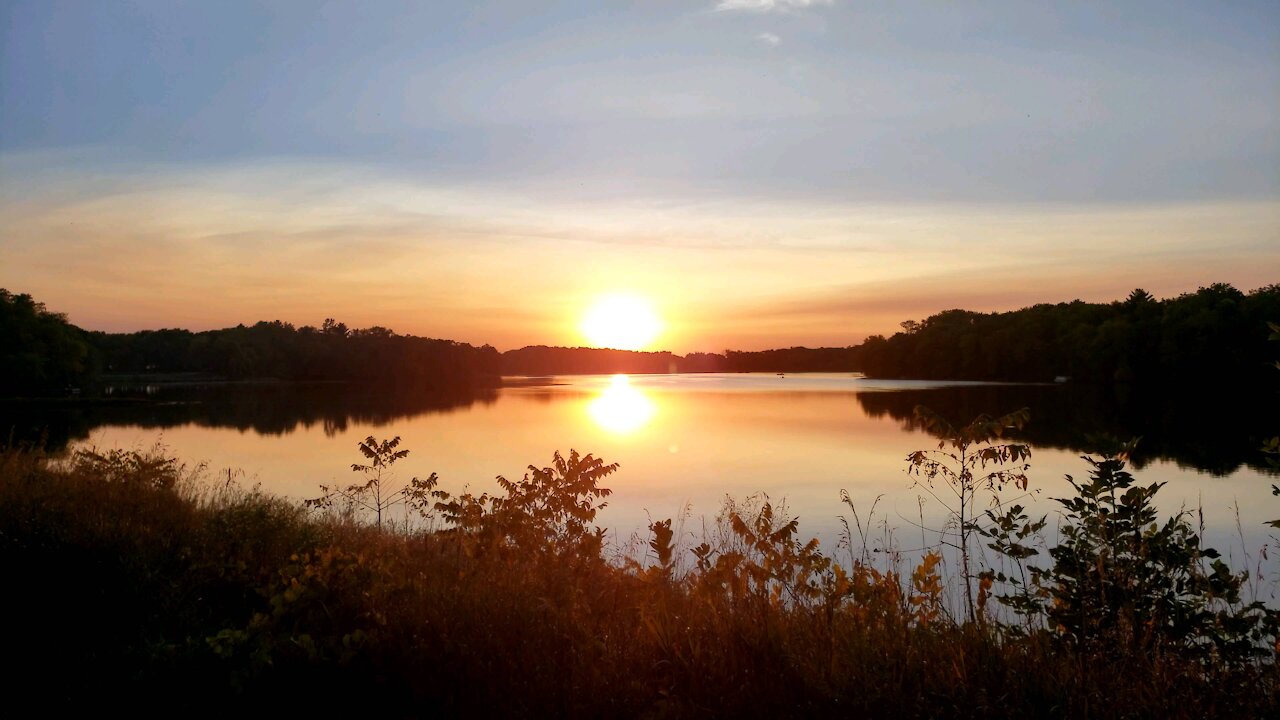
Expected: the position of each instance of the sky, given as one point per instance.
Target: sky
(765, 172)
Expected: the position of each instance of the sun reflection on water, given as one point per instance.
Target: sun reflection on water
(621, 408)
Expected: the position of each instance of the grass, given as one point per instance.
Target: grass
(135, 582)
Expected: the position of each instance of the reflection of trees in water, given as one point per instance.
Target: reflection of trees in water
(1203, 430)
(1206, 431)
(263, 409)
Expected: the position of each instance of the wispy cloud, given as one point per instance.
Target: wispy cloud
(769, 39)
(275, 239)
(764, 6)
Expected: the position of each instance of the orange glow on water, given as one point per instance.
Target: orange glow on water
(621, 408)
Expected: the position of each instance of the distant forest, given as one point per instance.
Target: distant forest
(1217, 333)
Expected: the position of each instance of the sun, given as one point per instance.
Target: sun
(621, 322)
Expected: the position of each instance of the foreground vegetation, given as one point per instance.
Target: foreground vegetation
(136, 582)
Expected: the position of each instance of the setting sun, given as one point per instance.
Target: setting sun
(622, 322)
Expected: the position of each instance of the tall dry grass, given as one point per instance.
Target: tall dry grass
(138, 583)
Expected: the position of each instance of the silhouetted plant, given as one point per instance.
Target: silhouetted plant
(373, 494)
(764, 626)
(548, 511)
(152, 469)
(968, 460)
(778, 566)
(310, 616)
(661, 544)
(1012, 535)
(1120, 578)
(926, 584)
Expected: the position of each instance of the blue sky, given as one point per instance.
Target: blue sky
(739, 162)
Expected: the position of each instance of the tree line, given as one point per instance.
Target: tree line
(543, 360)
(1216, 332)
(42, 354)
(281, 351)
(39, 350)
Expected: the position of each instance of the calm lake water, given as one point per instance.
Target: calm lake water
(685, 442)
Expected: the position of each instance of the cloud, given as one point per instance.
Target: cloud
(764, 6)
(287, 238)
(769, 39)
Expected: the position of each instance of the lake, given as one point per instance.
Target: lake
(686, 442)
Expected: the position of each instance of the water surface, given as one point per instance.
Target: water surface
(685, 442)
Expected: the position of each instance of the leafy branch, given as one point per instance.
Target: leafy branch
(970, 459)
(374, 493)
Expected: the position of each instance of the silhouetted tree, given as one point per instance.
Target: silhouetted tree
(1216, 332)
(40, 352)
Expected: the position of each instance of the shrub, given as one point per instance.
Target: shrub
(1122, 579)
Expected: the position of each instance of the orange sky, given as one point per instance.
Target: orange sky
(765, 173)
(171, 248)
